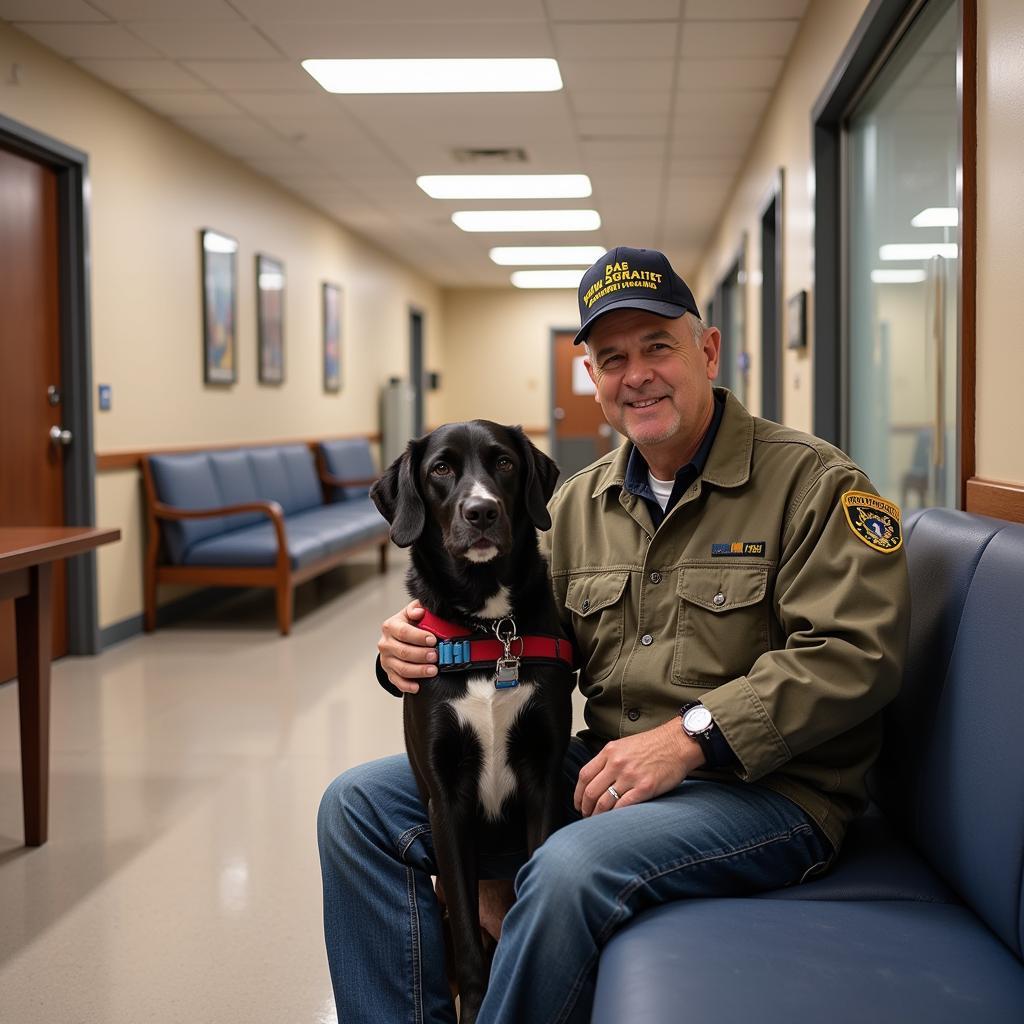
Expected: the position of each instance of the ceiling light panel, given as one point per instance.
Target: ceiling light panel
(919, 251)
(429, 75)
(505, 186)
(527, 220)
(546, 255)
(897, 276)
(937, 217)
(547, 278)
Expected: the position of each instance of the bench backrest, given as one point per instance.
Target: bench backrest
(952, 767)
(349, 459)
(285, 474)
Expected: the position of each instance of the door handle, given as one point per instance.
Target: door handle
(60, 437)
(937, 273)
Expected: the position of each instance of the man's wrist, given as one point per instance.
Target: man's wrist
(690, 752)
(694, 755)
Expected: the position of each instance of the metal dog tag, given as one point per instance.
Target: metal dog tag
(507, 674)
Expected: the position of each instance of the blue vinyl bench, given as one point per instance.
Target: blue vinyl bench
(258, 517)
(922, 916)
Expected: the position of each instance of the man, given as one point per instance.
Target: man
(738, 596)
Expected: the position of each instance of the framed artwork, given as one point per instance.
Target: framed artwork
(796, 320)
(332, 336)
(270, 319)
(220, 305)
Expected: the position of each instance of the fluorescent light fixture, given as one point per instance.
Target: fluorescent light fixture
(527, 220)
(547, 278)
(546, 255)
(520, 74)
(505, 186)
(919, 251)
(937, 217)
(897, 276)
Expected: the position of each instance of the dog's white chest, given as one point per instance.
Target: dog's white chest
(491, 713)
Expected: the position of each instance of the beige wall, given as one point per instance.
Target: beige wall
(1000, 359)
(153, 187)
(784, 141)
(497, 352)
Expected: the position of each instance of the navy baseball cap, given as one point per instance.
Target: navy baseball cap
(625, 278)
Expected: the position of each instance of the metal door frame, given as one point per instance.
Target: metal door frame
(417, 346)
(552, 340)
(71, 167)
(775, 195)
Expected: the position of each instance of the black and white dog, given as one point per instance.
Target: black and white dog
(487, 735)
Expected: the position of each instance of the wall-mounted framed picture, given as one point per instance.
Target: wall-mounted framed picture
(220, 305)
(332, 336)
(270, 319)
(796, 320)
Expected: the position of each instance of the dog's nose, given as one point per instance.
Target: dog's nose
(480, 512)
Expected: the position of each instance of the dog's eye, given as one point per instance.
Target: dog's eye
(441, 469)
(505, 464)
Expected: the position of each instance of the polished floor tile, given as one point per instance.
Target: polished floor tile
(181, 881)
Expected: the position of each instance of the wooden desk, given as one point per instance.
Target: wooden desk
(27, 555)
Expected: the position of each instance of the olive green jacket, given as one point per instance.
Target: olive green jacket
(757, 595)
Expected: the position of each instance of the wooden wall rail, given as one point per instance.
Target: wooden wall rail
(107, 462)
(989, 498)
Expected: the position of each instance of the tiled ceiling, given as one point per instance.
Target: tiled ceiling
(662, 99)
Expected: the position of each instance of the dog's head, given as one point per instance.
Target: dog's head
(477, 481)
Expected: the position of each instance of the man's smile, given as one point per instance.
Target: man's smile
(644, 403)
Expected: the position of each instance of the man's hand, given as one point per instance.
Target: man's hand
(640, 768)
(406, 652)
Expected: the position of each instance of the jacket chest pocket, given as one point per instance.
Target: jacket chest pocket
(723, 623)
(597, 606)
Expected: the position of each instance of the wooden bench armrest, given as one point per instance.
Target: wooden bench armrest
(269, 508)
(337, 481)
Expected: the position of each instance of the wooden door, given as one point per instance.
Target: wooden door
(582, 434)
(31, 465)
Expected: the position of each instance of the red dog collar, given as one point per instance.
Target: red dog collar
(459, 649)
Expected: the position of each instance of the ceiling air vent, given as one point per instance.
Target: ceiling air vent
(487, 157)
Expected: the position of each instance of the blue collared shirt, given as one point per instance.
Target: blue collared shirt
(637, 481)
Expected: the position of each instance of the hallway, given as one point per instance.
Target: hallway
(181, 880)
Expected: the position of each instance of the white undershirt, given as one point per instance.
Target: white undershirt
(662, 489)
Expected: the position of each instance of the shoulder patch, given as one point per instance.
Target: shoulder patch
(873, 520)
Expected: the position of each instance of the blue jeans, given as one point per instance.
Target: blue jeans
(383, 927)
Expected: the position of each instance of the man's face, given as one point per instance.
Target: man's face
(653, 381)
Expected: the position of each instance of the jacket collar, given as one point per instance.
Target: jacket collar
(728, 463)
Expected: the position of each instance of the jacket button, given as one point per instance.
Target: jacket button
(647, 639)
(586, 604)
(632, 714)
(655, 577)
(718, 600)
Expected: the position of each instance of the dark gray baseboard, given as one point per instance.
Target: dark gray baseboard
(173, 611)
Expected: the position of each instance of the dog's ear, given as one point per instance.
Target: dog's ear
(541, 477)
(397, 497)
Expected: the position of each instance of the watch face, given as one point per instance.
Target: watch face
(697, 719)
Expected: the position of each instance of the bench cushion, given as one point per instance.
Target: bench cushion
(875, 863)
(349, 459)
(943, 551)
(285, 474)
(288, 476)
(779, 961)
(311, 536)
(187, 482)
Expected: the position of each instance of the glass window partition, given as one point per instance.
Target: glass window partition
(902, 166)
